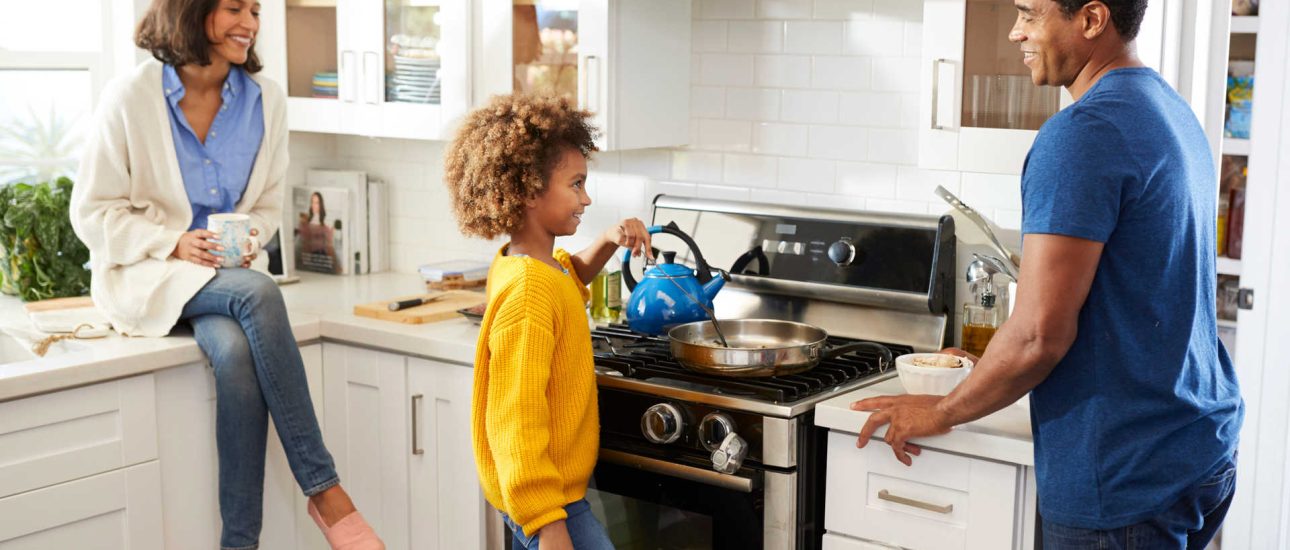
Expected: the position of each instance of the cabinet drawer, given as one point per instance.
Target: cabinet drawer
(72, 434)
(833, 541)
(116, 510)
(943, 501)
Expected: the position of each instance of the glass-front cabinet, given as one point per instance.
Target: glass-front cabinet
(627, 61)
(381, 68)
(980, 110)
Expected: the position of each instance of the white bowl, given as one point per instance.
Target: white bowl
(930, 380)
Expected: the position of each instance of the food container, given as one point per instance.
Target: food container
(921, 380)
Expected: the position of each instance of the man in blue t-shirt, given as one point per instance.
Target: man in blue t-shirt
(1135, 407)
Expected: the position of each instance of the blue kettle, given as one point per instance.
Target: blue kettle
(670, 293)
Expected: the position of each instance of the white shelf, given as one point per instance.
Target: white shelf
(1245, 24)
(1236, 146)
(1228, 266)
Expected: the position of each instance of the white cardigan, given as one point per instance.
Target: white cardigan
(129, 205)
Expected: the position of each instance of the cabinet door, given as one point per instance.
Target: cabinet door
(980, 111)
(446, 497)
(367, 433)
(120, 509)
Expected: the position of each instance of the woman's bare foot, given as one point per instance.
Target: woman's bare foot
(333, 504)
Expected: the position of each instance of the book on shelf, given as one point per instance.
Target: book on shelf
(368, 201)
(321, 218)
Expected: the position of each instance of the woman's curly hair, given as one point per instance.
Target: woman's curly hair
(504, 154)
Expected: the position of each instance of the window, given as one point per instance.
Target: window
(51, 69)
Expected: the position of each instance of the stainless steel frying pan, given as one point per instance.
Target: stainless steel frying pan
(759, 347)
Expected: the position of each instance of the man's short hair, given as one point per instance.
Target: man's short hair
(1126, 15)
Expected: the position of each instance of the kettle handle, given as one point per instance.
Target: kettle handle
(702, 271)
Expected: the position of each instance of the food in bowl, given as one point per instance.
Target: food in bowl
(937, 360)
(931, 373)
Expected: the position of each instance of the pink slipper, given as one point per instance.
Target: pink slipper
(350, 533)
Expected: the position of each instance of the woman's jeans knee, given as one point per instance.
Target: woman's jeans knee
(240, 322)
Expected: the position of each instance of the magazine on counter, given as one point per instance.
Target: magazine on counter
(321, 221)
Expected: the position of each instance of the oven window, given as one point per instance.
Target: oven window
(635, 524)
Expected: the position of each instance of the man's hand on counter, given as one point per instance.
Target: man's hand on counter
(909, 416)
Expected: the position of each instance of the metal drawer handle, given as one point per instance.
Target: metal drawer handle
(884, 495)
(416, 410)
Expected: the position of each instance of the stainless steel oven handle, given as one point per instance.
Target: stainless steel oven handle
(697, 475)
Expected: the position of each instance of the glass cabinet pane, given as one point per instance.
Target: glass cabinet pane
(311, 48)
(545, 47)
(997, 90)
(412, 54)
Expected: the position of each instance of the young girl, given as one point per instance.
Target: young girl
(519, 167)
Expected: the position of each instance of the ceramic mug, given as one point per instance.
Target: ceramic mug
(233, 232)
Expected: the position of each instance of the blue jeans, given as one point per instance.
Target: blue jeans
(1190, 523)
(585, 530)
(240, 322)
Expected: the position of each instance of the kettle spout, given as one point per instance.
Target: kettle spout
(711, 288)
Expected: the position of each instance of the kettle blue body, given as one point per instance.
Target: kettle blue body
(670, 293)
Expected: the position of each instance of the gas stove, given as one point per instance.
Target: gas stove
(702, 461)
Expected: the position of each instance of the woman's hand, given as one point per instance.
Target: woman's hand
(631, 233)
(193, 247)
(246, 260)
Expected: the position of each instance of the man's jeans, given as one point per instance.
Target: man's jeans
(1190, 523)
(240, 322)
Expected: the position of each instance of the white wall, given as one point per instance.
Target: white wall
(793, 101)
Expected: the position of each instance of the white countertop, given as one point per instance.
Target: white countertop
(1003, 436)
(319, 307)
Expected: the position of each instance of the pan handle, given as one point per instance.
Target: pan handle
(884, 359)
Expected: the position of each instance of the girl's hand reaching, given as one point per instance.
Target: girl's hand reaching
(631, 233)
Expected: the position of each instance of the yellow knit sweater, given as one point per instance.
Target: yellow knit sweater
(534, 417)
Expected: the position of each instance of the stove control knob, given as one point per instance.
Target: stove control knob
(662, 423)
(842, 252)
(713, 430)
(729, 456)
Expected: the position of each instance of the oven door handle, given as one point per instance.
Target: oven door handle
(697, 475)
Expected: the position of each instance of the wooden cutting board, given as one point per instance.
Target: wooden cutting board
(438, 310)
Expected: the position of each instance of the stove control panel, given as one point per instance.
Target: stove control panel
(662, 423)
(678, 426)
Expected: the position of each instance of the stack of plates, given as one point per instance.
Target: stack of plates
(324, 84)
(414, 80)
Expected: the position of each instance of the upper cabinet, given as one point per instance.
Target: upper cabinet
(381, 68)
(627, 61)
(980, 110)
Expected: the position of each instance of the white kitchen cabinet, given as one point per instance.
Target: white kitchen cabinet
(446, 497)
(190, 466)
(943, 501)
(626, 61)
(120, 509)
(401, 67)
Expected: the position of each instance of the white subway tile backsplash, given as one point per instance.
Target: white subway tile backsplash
(838, 142)
(722, 69)
(625, 191)
(776, 196)
(779, 139)
(898, 10)
(917, 184)
(875, 38)
(604, 161)
(783, 71)
(722, 192)
(752, 104)
(407, 203)
(815, 176)
(675, 188)
(893, 146)
(756, 37)
(810, 106)
(696, 166)
(830, 72)
(725, 135)
(913, 39)
(708, 36)
(985, 192)
(1007, 218)
(875, 181)
(897, 206)
(707, 102)
(653, 163)
(784, 9)
(852, 10)
(813, 37)
(726, 9)
(909, 111)
(751, 170)
(871, 109)
(837, 202)
(896, 74)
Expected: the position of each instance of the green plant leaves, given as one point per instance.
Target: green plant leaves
(40, 255)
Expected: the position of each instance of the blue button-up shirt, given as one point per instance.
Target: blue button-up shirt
(216, 173)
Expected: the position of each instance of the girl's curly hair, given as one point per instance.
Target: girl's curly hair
(504, 154)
